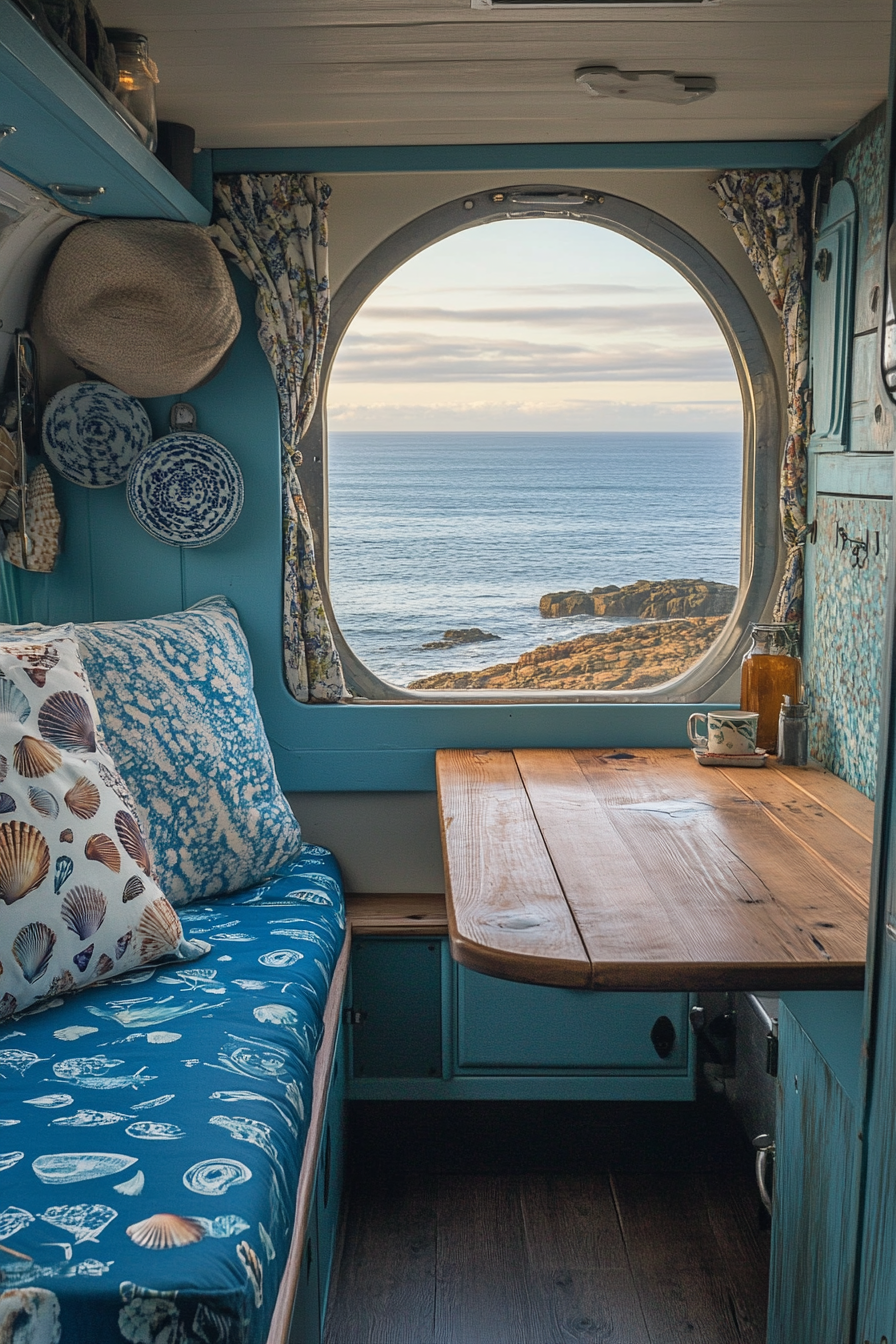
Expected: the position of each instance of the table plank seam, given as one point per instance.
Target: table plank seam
(861, 898)
(821, 803)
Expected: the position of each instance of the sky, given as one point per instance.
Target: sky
(541, 324)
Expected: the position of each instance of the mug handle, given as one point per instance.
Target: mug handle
(702, 742)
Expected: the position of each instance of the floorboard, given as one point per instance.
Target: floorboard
(549, 1223)
(385, 1291)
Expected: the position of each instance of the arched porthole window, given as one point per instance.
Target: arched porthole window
(540, 442)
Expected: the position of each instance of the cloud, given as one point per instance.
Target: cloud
(419, 357)
(573, 414)
(671, 317)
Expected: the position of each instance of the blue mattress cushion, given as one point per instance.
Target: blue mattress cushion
(153, 1127)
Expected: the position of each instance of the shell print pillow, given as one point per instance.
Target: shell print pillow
(78, 901)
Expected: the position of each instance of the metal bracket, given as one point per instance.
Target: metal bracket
(353, 1017)
(26, 402)
(860, 547)
(823, 264)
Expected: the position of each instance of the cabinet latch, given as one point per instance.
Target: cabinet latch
(771, 1054)
(353, 1017)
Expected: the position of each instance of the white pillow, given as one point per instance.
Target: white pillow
(78, 897)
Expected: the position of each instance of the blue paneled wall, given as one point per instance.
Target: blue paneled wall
(850, 482)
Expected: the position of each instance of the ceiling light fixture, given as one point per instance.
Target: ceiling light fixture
(644, 86)
(585, 4)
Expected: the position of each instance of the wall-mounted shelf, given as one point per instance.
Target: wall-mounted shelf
(65, 133)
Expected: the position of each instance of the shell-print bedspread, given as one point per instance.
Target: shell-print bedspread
(152, 1129)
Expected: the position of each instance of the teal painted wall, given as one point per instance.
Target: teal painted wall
(851, 487)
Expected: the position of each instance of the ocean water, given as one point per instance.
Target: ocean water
(430, 532)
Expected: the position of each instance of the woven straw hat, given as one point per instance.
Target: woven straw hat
(146, 304)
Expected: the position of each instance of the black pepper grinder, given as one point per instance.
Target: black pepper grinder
(793, 733)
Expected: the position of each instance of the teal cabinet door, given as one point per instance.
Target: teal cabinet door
(305, 1326)
(831, 309)
(877, 1280)
(397, 1008)
(330, 1173)
(502, 1024)
(814, 1222)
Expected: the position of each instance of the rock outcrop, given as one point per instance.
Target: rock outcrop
(625, 659)
(452, 638)
(663, 600)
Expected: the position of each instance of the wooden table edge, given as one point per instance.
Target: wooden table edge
(503, 965)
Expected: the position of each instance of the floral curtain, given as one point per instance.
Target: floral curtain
(765, 211)
(274, 226)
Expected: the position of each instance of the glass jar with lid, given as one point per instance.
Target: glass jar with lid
(138, 76)
(770, 670)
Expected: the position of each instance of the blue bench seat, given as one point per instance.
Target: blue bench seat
(152, 1128)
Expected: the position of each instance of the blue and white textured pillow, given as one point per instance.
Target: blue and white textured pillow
(180, 717)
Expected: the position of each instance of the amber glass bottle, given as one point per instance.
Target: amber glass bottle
(769, 672)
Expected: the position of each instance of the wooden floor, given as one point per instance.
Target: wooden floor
(545, 1223)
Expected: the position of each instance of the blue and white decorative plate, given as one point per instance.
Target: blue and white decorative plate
(92, 433)
(185, 490)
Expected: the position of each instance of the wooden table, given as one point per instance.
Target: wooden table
(612, 869)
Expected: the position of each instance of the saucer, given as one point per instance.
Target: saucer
(748, 761)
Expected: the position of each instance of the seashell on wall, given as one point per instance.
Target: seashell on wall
(83, 799)
(161, 1231)
(132, 841)
(103, 850)
(83, 909)
(159, 929)
(132, 889)
(43, 802)
(42, 524)
(32, 948)
(24, 860)
(66, 721)
(14, 706)
(66, 837)
(7, 803)
(9, 462)
(34, 758)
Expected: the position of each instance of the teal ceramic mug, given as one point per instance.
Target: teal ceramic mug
(729, 732)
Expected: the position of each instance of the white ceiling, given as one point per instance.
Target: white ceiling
(342, 72)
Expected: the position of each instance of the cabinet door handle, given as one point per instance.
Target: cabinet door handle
(765, 1149)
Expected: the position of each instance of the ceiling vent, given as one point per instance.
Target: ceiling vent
(590, 4)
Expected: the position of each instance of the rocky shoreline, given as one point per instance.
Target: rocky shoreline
(630, 658)
(652, 601)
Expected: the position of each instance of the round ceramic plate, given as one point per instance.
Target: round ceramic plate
(186, 490)
(92, 433)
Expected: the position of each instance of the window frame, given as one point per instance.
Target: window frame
(761, 553)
